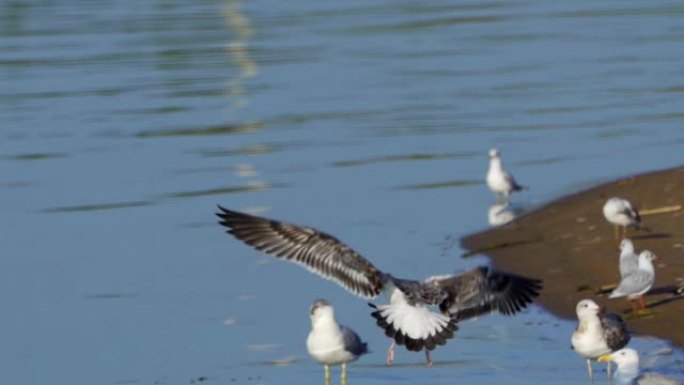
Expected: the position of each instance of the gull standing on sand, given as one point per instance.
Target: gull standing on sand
(620, 212)
(597, 333)
(629, 260)
(408, 318)
(628, 372)
(330, 343)
(638, 282)
(498, 180)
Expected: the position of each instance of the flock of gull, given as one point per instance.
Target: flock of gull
(423, 314)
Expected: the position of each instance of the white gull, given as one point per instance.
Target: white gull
(629, 260)
(620, 212)
(637, 282)
(498, 180)
(330, 343)
(628, 372)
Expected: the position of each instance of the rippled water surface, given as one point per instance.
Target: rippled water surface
(124, 123)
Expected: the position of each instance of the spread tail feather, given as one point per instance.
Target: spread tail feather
(385, 316)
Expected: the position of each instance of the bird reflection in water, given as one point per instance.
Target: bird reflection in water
(501, 213)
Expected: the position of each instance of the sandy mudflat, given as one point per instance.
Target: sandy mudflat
(569, 244)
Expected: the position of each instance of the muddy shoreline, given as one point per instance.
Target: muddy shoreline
(569, 245)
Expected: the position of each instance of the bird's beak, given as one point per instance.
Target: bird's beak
(605, 358)
(656, 258)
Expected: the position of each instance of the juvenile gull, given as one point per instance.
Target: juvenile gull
(407, 318)
(498, 180)
(620, 212)
(628, 372)
(637, 282)
(597, 333)
(330, 343)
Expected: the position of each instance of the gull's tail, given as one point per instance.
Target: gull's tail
(416, 328)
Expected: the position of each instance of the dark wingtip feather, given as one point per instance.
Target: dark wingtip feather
(316, 250)
(520, 293)
(414, 345)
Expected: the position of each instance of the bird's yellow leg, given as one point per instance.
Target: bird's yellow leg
(343, 376)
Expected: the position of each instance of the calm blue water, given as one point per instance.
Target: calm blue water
(124, 123)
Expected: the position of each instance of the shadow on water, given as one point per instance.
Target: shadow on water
(401, 158)
(36, 156)
(221, 129)
(545, 161)
(97, 207)
(111, 296)
(250, 187)
(436, 363)
(439, 185)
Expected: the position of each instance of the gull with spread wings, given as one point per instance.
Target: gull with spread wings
(408, 319)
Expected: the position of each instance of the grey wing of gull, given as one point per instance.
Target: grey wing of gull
(614, 331)
(628, 264)
(633, 283)
(352, 342)
(649, 378)
(317, 251)
(482, 290)
(511, 180)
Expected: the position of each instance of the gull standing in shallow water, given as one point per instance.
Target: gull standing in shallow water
(638, 282)
(620, 212)
(597, 333)
(498, 180)
(408, 318)
(628, 372)
(330, 343)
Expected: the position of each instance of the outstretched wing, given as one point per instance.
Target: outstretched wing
(482, 290)
(317, 251)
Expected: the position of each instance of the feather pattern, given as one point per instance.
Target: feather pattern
(415, 327)
(482, 290)
(614, 330)
(317, 251)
